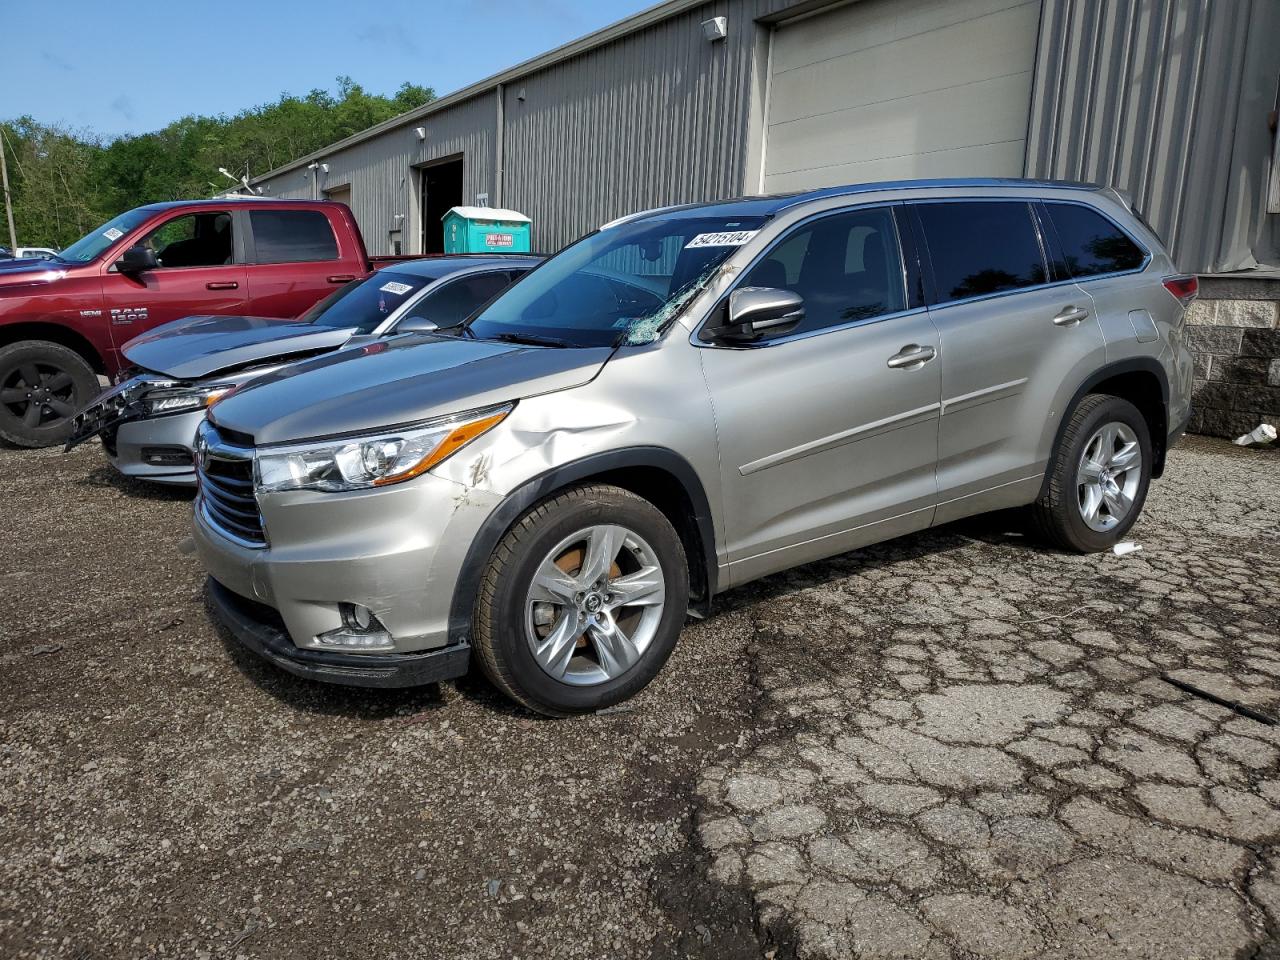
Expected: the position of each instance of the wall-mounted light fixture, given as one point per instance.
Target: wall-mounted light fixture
(717, 28)
(324, 168)
(421, 132)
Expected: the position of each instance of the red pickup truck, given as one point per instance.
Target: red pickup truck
(63, 321)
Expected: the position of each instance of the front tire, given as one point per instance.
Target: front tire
(1098, 477)
(42, 385)
(582, 601)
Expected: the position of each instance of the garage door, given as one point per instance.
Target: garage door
(889, 89)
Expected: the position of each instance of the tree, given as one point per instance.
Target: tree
(64, 182)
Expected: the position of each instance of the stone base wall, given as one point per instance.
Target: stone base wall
(1233, 330)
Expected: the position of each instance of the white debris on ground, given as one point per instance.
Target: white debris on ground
(1262, 435)
(1126, 547)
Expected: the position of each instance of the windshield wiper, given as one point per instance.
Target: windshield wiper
(530, 338)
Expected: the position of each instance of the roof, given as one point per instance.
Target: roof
(614, 31)
(435, 267)
(224, 202)
(765, 206)
(488, 213)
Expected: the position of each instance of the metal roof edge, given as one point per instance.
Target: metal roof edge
(614, 31)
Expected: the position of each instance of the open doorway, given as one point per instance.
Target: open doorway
(441, 192)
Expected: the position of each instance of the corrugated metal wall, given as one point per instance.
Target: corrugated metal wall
(383, 172)
(1167, 100)
(658, 117)
(653, 119)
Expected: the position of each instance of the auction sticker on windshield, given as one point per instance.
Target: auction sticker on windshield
(398, 289)
(113, 234)
(730, 238)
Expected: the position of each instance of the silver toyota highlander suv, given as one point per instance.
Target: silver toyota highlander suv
(683, 401)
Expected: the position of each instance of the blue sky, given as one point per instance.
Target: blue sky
(120, 67)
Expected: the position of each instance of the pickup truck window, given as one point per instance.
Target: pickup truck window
(292, 236)
(193, 240)
(94, 243)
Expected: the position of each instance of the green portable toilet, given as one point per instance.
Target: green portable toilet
(486, 230)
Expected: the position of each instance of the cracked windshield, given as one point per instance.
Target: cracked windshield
(620, 285)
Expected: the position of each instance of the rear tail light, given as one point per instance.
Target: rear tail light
(1183, 289)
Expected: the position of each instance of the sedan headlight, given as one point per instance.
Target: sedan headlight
(357, 463)
(177, 397)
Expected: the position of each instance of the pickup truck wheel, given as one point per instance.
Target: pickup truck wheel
(582, 601)
(42, 385)
(1098, 477)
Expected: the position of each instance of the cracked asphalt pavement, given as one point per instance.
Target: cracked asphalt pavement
(958, 744)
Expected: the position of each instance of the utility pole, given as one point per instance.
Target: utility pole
(8, 203)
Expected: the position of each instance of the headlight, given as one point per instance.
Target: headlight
(356, 463)
(180, 398)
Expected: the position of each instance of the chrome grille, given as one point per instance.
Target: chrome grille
(225, 473)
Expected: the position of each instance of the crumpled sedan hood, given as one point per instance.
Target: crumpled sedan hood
(195, 347)
(393, 382)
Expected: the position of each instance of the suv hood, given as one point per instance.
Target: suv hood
(392, 382)
(195, 347)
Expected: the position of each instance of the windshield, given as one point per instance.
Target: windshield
(364, 304)
(620, 285)
(93, 244)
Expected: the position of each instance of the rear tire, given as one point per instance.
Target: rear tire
(42, 385)
(582, 601)
(1098, 478)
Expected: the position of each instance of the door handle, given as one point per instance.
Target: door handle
(911, 356)
(1068, 316)
(221, 285)
(341, 278)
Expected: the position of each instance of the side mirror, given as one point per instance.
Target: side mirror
(137, 259)
(757, 312)
(416, 325)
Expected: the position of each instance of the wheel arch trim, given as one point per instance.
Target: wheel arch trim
(539, 487)
(1147, 365)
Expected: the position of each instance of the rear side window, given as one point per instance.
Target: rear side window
(979, 248)
(1092, 244)
(847, 267)
(292, 236)
(460, 298)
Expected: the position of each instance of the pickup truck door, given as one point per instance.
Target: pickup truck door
(201, 272)
(296, 258)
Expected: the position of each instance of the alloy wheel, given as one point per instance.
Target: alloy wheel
(594, 605)
(37, 393)
(1108, 476)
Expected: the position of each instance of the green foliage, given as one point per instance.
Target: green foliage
(65, 182)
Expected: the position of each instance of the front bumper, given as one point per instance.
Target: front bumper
(260, 629)
(397, 551)
(158, 449)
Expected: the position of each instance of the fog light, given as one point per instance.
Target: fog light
(360, 630)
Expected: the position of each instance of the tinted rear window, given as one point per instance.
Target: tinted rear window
(980, 248)
(1091, 243)
(292, 236)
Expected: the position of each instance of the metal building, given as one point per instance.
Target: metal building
(1169, 100)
